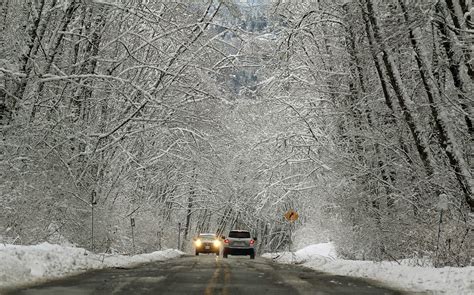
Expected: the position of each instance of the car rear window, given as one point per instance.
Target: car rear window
(239, 234)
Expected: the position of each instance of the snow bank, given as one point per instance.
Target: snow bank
(26, 264)
(322, 257)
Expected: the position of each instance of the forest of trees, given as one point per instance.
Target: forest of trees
(357, 114)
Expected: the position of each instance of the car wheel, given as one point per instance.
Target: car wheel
(252, 255)
(197, 253)
(225, 254)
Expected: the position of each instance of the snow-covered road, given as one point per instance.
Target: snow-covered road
(208, 274)
(22, 265)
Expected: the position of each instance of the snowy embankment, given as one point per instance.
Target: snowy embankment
(26, 264)
(322, 257)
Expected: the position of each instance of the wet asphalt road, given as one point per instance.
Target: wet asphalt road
(207, 274)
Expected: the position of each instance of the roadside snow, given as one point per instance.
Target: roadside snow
(322, 257)
(26, 264)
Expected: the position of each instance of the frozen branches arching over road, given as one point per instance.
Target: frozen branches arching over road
(216, 114)
(107, 99)
(381, 99)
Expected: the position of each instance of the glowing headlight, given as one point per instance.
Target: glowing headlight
(217, 243)
(198, 243)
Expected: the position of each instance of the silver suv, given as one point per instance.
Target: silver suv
(239, 242)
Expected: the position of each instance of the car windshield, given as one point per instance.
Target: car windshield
(239, 234)
(207, 236)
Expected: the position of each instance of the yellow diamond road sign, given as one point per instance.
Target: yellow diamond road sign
(291, 215)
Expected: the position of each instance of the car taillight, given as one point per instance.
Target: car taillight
(226, 241)
(252, 242)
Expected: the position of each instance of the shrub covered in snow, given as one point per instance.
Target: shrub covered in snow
(23, 264)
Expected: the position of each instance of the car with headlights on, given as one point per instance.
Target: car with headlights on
(207, 243)
(239, 242)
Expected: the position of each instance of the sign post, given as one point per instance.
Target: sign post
(158, 236)
(93, 202)
(132, 223)
(179, 234)
(442, 205)
(291, 216)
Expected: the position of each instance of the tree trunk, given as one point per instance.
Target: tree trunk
(447, 137)
(405, 102)
(26, 57)
(378, 64)
(91, 51)
(192, 193)
(456, 62)
(439, 71)
(361, 91)
(457, 12)
(5, 112)
(52, 52)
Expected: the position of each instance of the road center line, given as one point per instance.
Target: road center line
(212, 282)
(225, 290)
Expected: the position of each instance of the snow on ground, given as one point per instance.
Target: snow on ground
(322, 257)
(26, 264)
